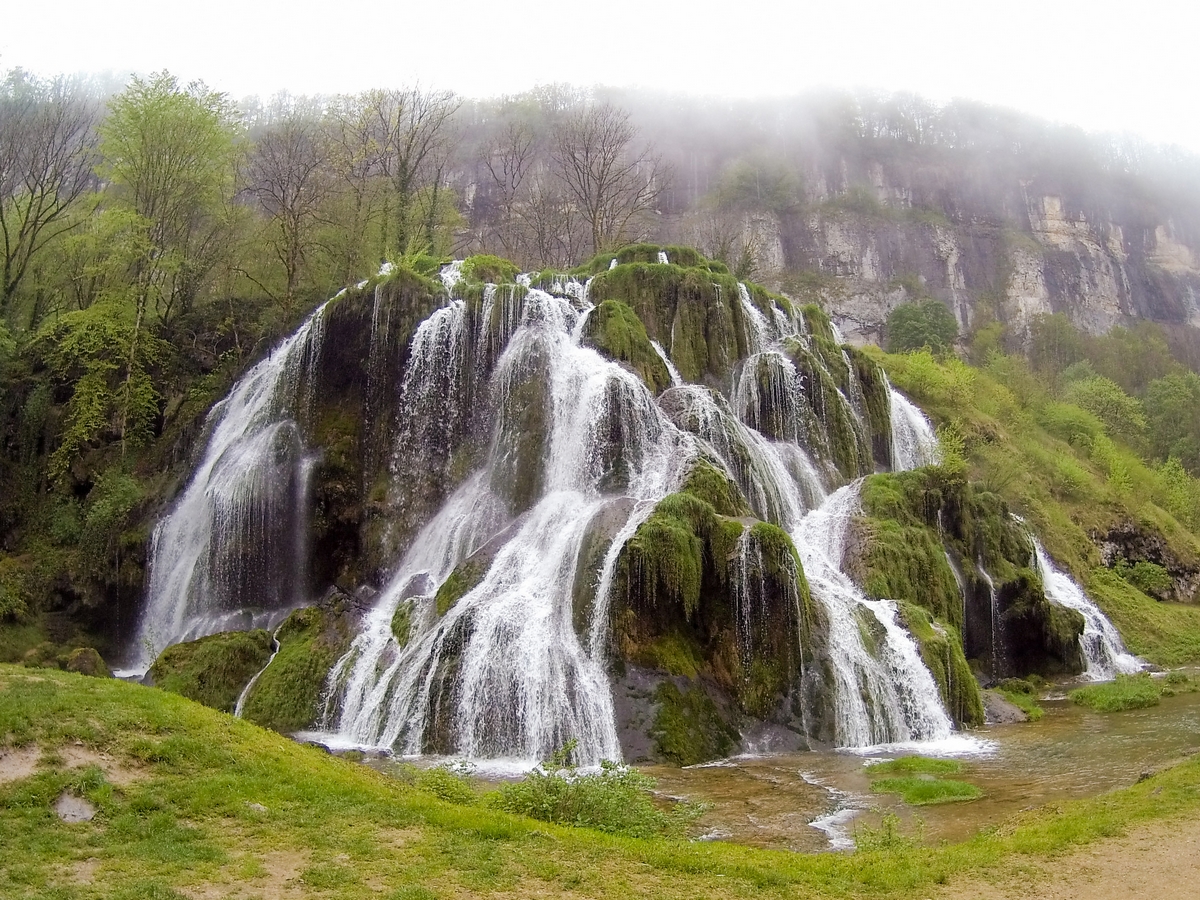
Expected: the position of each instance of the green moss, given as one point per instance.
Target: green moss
(675, 654)
(942, 651)
(689, 728)
(876, 404)
(86, 661)
(904, 562)
(693, 313)
(1126, 692)
(287, 695)
(402, 623)
(715, 488)
(817, 322)
(489, 269)
(212, 670)
(614, 329)
(839, 436)
(464, 579)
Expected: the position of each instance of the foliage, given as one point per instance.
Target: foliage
(617, 799)
(1126, 692)
(925, 324)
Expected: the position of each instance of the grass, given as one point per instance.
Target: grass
(1027, 703)
(1132, 692)
(918, 781)
(219, 807)
(927, 790)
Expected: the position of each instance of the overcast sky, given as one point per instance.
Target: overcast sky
(1098, 64)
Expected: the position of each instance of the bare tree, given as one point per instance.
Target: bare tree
(610, 182)
(47, 151)
(509, 158)
(413, 136)
(288, 174)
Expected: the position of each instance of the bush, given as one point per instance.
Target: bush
(927, 323)
(616, 799)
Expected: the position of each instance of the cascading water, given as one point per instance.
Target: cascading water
(997, 621)
(1102, 646)
(914, 443)
(885, 694)
(229, 553)
(676, 381)
(502, 672)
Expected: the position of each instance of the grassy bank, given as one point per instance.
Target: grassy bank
(192, 802)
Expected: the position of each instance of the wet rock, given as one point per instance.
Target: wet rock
(998, 711)
(86, 661)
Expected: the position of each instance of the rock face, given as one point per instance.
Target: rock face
(884, 233)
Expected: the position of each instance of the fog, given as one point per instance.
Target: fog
(1093, 65)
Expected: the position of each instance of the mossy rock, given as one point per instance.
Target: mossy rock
(689, 728)
(522, 437)
(287, 695)
(1040, 636)
(614, 329)
(942, 650)
(905, 562)
(87, 661)
(465, 578)
(489, 269)
(717, 489)
(213, 670)
(694, 313)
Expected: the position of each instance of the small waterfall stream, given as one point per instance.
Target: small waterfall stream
(1102, 646)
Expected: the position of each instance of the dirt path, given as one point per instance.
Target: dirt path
(1160, 861)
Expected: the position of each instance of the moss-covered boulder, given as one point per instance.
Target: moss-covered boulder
(286, 697)
(212, 670)
(689, 728)
(87, 661)
(692, 312)
(1040, 636)
(489, 269)
(720, 600)
(614, 329)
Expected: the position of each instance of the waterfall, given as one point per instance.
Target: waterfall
(676, 381)
(883, 694)
(913, 441)
(240, 706)
(229, 554)
(502, 672)
(759, 327)
(1102, 646)
(997, 622)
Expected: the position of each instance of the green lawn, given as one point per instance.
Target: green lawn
(194, 803)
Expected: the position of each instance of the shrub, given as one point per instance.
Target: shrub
(616, 799)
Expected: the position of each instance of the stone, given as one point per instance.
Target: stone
(70, 808)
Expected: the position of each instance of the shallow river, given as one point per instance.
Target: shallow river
(814, 801)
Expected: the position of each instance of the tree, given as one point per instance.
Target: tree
(170, 155)
(47, 152)
(925, 323)
(609, 182)
(288, 174)
(413, 140)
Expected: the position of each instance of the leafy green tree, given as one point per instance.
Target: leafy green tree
(1173, 415)
(1121, 414)
(925, 323)
(169, 153)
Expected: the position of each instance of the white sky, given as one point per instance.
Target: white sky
(1098, 64)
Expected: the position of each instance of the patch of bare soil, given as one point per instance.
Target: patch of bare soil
(18, 762)
(1160, 861)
